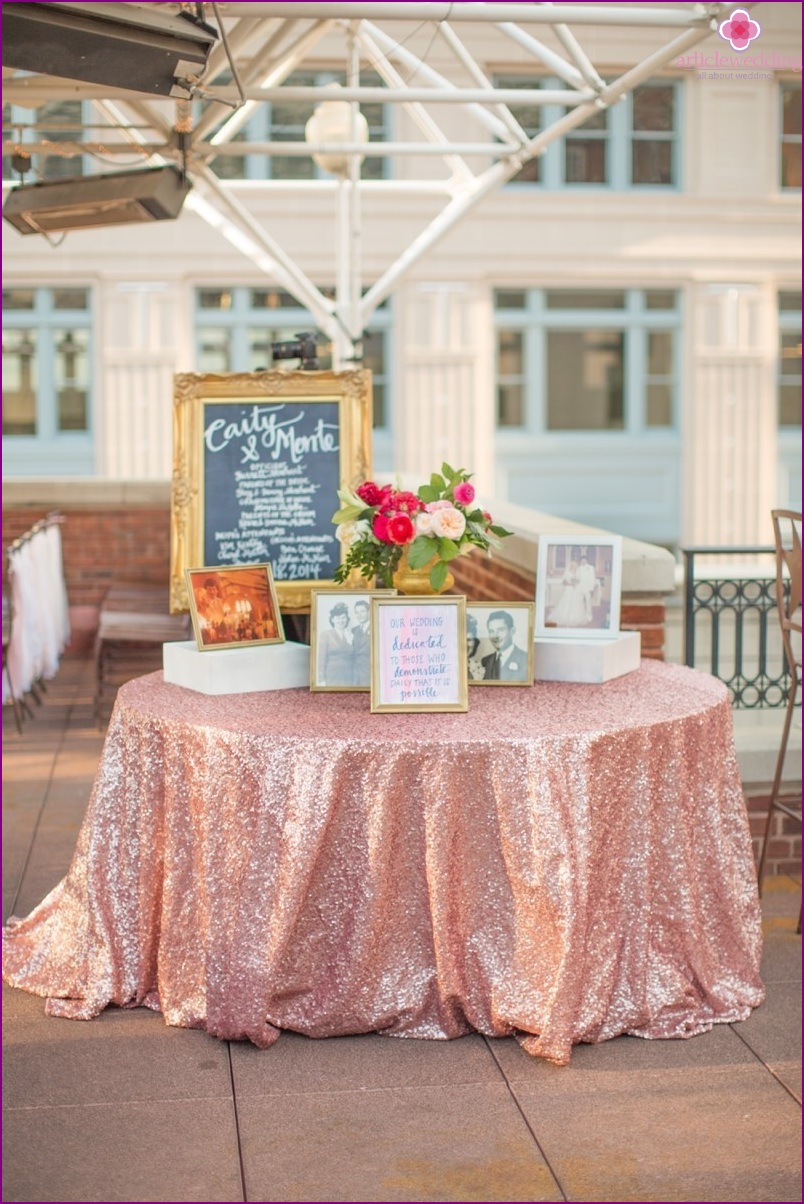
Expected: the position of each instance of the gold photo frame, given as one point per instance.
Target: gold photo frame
(258, 459)
(234, 607)
(499, 643)
(418, 654)
(340, 639)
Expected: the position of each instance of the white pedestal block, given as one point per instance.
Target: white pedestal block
(237, 670)
(585, 660)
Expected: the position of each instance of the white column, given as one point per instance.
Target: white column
(140, 345)
(444, 404)
(729, 422)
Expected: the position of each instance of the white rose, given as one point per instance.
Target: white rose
(449, 524)
(349, 533)
(424, 523)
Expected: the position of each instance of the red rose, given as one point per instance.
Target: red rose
(400, 529)
(407, 502)
(379, 525)
(370, 494)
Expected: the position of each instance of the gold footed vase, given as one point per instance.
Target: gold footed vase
(417, 581)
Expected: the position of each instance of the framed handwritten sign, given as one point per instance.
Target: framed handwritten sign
(258, 459)
(418, 654)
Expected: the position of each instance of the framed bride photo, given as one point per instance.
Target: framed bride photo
(578, 583)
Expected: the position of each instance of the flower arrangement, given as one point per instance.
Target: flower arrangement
(377, 523)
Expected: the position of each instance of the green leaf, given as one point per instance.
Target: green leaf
(501, 531)
(422, 550)
(438, 574)
(437, 482)
(448, 472)
(475, 517)
(448, 549)
(428, 493)
(347, 514)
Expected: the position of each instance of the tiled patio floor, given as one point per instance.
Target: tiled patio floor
(124, 1108)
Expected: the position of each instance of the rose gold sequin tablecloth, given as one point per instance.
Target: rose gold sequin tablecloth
(565, 862)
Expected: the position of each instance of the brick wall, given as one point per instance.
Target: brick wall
(784, 851)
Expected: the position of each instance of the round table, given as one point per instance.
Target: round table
(565, 862)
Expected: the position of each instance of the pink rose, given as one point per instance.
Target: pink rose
(424, 523)
(449, 523)
(431, 507)
(379, 525)
(464, 493)
(400, 529)
(370, 494)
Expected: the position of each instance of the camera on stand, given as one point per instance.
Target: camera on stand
(302, 348)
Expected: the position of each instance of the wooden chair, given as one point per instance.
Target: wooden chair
(787, 534)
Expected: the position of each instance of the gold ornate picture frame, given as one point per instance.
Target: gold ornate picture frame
(340, 638)
(258, 458)
(234, 607)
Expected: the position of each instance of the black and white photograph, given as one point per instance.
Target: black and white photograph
(578, 587)
(340, 638)
(499, 643)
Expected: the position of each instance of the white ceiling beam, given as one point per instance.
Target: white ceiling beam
(683, 16)
(500, 173)
(426, 123)
(465, 59)
(576, 52)
(442, 92)
(549, 58)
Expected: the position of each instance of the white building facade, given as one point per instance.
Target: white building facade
(613, 338)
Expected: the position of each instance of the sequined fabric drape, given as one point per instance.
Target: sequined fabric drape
(565, 862)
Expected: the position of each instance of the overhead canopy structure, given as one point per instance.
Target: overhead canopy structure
(262, 45)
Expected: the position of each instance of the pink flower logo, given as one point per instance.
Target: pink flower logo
(739, 30)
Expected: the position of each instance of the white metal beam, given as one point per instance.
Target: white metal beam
(682, 16)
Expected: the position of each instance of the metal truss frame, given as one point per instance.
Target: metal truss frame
(269, 41)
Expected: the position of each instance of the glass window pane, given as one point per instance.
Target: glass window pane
(70, 298)
(585, 161)
(589, 298)
(214, 298)
(508, 298)
(59, 121)
(653, 108)
(260, 355)
(510, 378)
(791, 109)
(585, 374)
(790, 405)
(651, 162)
(660, 353)
(273, 298)
(215, 350)
(659, 409)
(19, 382)
(660, 299)
(374, 358)
(19, 298)
(72, 378)
(790, 301)
(791, 165)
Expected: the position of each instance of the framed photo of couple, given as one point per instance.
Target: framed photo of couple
(578, 584)
(340, 638)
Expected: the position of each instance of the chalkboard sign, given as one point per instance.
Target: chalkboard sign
(258, 459)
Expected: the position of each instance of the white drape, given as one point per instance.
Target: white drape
(40, 624)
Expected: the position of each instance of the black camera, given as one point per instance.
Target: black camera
(302, 348)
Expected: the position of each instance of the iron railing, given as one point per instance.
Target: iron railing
(731, 628)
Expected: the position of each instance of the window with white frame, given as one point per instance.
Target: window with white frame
(789, 359)
(587, 359)
(236, 327)
(790, 150)
(58, 121)
(47, 377)
(630, 145)
(284, 121)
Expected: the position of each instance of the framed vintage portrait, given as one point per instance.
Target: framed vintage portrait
(234, 607)
(258, 459)
(418, 654)
(578, 583)
(499, 643)
(340, 638)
